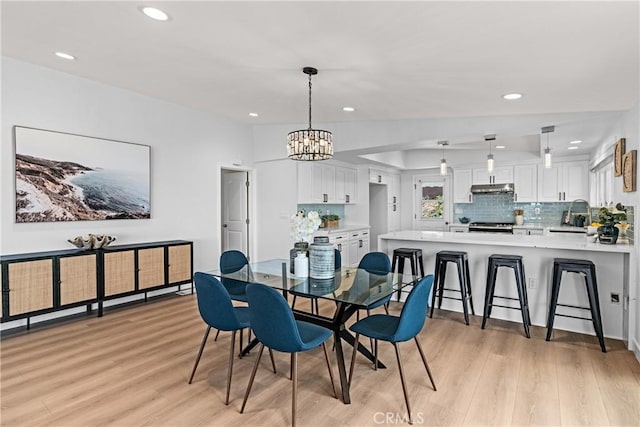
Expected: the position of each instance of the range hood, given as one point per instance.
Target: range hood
(492, 188)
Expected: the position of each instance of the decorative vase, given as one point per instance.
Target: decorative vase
(608, 234)
(298, 247)
(301, 265)
(519, 219)
(321, 258)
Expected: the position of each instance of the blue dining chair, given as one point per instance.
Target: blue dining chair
(230, 262)
(218, 312)
(377, 263)
(396, 329)
(275, 327)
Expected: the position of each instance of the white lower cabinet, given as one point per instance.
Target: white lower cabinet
(358, 247)
(528, 231)
(340, 241)
(459, 228)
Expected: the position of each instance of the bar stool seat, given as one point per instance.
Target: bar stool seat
(414, 255)
(461, 260)
(587, 269)
(514, 262)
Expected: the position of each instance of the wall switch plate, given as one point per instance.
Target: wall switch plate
(615, 297)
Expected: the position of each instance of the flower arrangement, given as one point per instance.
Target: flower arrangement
(303, 226)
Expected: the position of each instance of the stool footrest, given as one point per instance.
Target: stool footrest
(506, 306)
(574, 306)
(574, 317)
(511, 298)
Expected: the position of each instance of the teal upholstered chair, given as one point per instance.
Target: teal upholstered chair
(396, 329)
(275, 327)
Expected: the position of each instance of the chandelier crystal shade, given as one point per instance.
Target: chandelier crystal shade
(547, 151)
(310, 144)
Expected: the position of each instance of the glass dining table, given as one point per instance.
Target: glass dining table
(350, 290)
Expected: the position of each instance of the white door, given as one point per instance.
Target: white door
(433, 202)
(235, 217)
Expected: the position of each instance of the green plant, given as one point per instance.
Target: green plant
(609, 216)
(330, 217)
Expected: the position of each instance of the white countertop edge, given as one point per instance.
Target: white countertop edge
(495, 239)
(342, 229)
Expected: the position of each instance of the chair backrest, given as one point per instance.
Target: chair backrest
(414, 312)
(214, 303)
(375, 262)
(231, 261)
(272, 320)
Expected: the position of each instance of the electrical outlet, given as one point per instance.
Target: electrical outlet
(537, 211)
(533, 283)
(615, 297)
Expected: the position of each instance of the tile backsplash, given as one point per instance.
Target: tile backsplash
(500, 207)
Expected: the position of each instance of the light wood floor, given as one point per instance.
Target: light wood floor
(130, 368)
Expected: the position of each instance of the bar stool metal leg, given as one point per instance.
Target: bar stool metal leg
(594, 303)
(555, 290)
(463, 290)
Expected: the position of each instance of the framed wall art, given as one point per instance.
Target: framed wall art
(629, 170)
(618, 152)
(66, 177)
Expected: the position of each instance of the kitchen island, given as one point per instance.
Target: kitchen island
(612, 269)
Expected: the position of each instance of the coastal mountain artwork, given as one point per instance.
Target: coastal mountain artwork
(66, 177)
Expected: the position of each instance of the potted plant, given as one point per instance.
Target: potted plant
(609, 218)
(330, 221)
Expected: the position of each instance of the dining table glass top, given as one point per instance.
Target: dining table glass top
(350, 285)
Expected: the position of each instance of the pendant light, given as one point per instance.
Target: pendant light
(490, 138)
(547, 151)
(443, 162)
(310, 144)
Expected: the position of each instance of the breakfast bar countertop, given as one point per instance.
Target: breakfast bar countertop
(553, 241)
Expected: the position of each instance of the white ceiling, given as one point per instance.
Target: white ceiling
(389, 60)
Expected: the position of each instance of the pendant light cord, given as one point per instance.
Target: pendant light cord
(309, 101)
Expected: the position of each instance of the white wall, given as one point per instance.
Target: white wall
(186, 148)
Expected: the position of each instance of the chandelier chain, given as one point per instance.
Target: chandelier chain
(309, 101)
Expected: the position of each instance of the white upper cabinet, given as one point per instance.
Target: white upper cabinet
(462, 179)
(501, 175)
(525, 181)
(323, 183)
(377, 176)
(346, 185)
(393, 189)
(564, 181)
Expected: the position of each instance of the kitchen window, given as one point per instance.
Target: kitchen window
(433, 202)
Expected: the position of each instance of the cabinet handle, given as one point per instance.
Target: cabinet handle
(339, 247)
(515, 197)
(394, 208)
(394, 199)
(360, 243)
(559, 195)
(325, 197)
(346, 198)
(564, 196)
(379, 178)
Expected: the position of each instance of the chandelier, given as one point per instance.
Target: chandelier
(310, 144)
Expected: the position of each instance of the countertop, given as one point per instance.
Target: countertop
(553, 241)
(342, 229)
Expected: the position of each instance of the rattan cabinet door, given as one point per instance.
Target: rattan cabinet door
(119, 272)
(78, 279)
(30, 286)
(150, 268)
(179, 263)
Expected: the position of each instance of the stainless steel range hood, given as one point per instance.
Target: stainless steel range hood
(492, 188)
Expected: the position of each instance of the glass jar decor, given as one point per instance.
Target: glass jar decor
(298, 247)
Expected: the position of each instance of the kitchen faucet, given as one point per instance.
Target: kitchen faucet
(588, 213)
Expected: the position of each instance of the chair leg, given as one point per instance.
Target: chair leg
(253, 376)
(293, 303)
(386, 308)
(204, 341)
(353, 357)
(273, 362)
(240, 352)
(326, 358)
(375, 355)
(216, 337)
(230, 369)
(424, 361)
(370, 339)
(291, 367)
(404, 385)
(294, 386)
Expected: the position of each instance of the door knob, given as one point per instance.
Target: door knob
(224, 225)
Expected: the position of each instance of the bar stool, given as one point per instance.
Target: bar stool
(462, 262)
(514, 262)
(415, 259)
(588, 270)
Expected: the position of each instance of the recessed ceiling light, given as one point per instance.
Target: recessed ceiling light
(350, 109)
(512, 96)
(154, 13)
(65, 56)
(577, 141)
(499, 146)
(572, 148)
(253, 114)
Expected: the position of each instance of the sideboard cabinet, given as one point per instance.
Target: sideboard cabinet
(43, 282)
